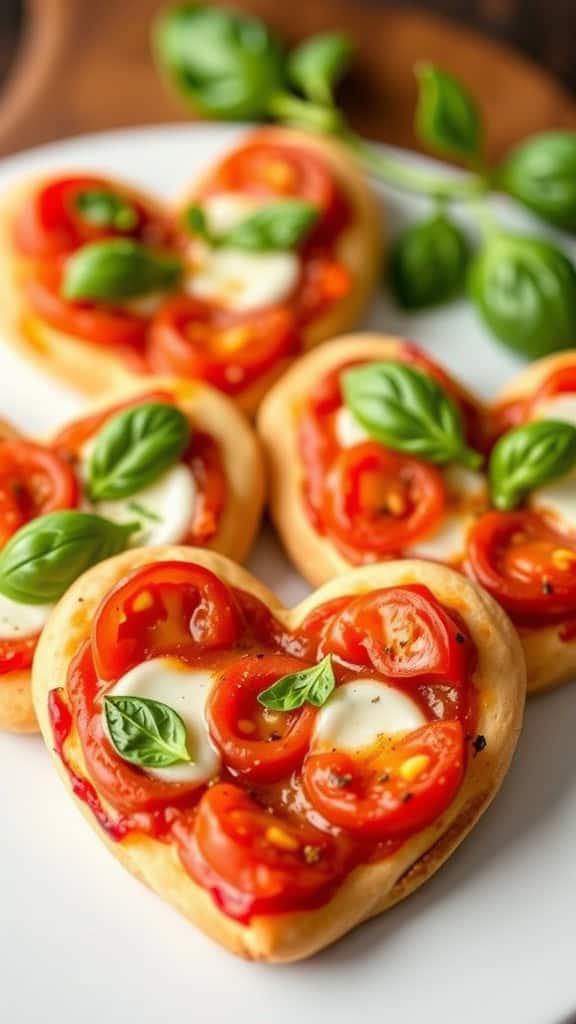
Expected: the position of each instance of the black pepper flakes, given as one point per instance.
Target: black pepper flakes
(375, 700)
(460, 638)
(479, 744)
(547, 587)
(407, 797)
(273, 737)
(340, 781)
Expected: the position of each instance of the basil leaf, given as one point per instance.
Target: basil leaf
(105, 209)
(525, 290)
(118, 268)
(447, 119)
(407, 410)
(134, 448)
(428, 263)
(317, 65)
(277, 226)
(196, 222)
(145, 732)
(525, 458)
(45, 556)
(225, 64)
(541, 174)
(311, 685)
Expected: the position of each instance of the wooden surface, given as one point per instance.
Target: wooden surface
(84, 65)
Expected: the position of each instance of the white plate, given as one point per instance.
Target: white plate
(489, 938)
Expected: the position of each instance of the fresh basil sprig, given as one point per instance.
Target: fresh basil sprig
(317, 65)
(310, 686)
(428, 263)
(529, 456)
(45, 556)
(146, 732)
(118, 268)
(134, 448)
(407, 410)
(106, 209)
(447, 118)
(277, 226)
(541, 174)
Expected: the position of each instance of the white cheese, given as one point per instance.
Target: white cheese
(447, 543)
(242, 281)
(557, 502)
(186, 691)
(557, 407)
(224, 210)
(348, 430)
(359, 714)
(21, 620)
(463, 483)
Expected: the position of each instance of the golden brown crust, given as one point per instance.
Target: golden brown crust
(242, 461)
(92, 369)
(370, 889)
(551, 660)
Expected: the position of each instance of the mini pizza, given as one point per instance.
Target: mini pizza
(278, 776)
(169, 462)
(275, 249)
(375, 452)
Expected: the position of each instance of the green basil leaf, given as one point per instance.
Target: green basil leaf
(224, 64)
(134, 448)
(106, 209)
(118, 268)
(310, 686)
(317, 65)
(196, 222)
(525, 290)
(277, 226)
(541, 174)
(447, 118)
(145, 732)
(532, 455)
(406, 409)
(45, 556)
(428, 263)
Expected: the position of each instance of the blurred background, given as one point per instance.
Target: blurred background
(70, 66)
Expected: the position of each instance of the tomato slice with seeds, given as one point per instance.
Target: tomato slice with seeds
(400, 790)
(528, 567)
(17, 655)
(258, 744)
(166, 608)
(203, 458)
(253, 862)
(402, 632)
(377, 502)
(191, 338)
(33, 481)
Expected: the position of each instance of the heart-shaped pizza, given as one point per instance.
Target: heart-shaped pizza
(375, 452)
(278, 776)
(159, 462)
(275, 249)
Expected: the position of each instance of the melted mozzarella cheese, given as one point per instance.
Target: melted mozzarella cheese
(557, 407)
(447, 543)
(360, 713)
(348, 430)
(463, 483)
(21, 620)
(242, 281)
(164, 508)
(186, 691)
(557, 501)
(224, 210)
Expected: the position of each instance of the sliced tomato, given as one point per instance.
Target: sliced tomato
(203, 458)
(402, 632)
(324, 281)
(528, 567)
(33, 481)
(377, 502)
(191, 338)
(511, 414)
(253, 862)
(372, 798)
(165, 608)
(561, 382)
(51, 224)
(100, 325)
(17, 655)
(256, 743)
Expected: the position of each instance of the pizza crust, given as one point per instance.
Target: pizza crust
(369, 889)
(242, 461)
(93, 369)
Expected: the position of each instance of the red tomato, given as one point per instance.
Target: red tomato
(377, 502)
(165, 608)
(33, 481)
(402, 632)
(51, 224)
(258, 744)
(112, 328)
(253, 862)
(561, 382)
(324, 281)
(371, 798)
(203, 458)
(524, 564)
(17, 655)
(191, 338)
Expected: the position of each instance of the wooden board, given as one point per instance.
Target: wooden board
(85, 65)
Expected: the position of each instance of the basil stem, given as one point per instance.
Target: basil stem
(45, 556)
(312, 686)
(118, 268)
(529, 456)
(134, 448)
(145, 732)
